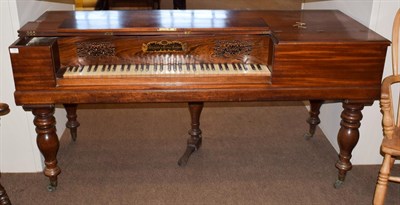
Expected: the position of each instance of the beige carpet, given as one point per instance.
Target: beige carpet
(252, 153)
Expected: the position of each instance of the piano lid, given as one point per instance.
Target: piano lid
(167, 21)
(325, 26)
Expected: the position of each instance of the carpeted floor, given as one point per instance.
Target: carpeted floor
(252, 153)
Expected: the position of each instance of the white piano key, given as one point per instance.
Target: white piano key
(67, 72)
(85, 70)
(197, 69)
(118, 70)
(151, 69)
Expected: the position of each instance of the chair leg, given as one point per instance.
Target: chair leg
(392, 159)
(381, 186)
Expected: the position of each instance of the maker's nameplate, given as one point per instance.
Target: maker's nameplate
(166, 29)
(164, 46)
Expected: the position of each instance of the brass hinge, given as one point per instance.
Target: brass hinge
(300, 25)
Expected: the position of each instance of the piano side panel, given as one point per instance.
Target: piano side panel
(328, 65)
(34, 65)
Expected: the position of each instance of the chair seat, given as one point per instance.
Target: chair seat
(392, 146)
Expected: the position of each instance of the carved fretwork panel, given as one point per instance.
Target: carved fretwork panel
(95, 49)
(229, 48)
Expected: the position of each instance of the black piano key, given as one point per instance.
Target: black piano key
(253, 67)
(128, 68)
(220, 67)
(114, 68)
(173, 67)
(226, 66)
(188, 67)
(147, 67)
(122, 67)
(202, 67)
(212, 67)
(259, 67)
(75, 69)
(208, 67)
(239, 67)
(69, 68)
(244, 67)
(234, 66)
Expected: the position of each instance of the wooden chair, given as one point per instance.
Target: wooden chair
(4, 200)
(391, 124)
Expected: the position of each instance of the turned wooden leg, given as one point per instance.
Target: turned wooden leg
(348, 137)
(313, 120)
(194, 141)
(47, 141)
(4, 200)
(72, 123)
(381, 186)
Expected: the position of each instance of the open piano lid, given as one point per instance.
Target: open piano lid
(145, 22)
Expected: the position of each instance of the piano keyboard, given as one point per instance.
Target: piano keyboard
(164, 70)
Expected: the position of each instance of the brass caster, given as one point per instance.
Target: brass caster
(338, 184)
(52, 187)
(308, 136)
(74, 136)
